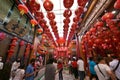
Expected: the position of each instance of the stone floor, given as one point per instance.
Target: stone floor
(66, 75)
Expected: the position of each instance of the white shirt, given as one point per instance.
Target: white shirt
(80, 65)
(19, 74)
(1, 65)
(104, 68)
(15, 65)
(113, 65)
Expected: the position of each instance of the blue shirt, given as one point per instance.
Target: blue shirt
(91, 67)
(29, 70)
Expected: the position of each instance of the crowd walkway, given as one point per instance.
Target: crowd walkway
(66, 75)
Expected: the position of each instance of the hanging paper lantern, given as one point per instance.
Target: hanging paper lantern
(34, 6)
(67, 13)
(107, 16)
(117, 4)
(79, 11)
(40, 30)
(42, 23)
(66, 21)
(68, 3)
(15, 38)
(50, 15)
(99, 23)
(48, 5)
(52, 22)
(2, 36)
(33, 22)
(22, 43)
(61, 40)
(13, 44)
(76, 19)
(23, 9)
(81, 2)
(39, 14)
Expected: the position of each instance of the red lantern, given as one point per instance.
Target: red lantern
(68, 3)
(66, 21)
(76, 19)
(42, 23)
(40, 30)
(81, 2)
(33, 22)
(52, 22)
(2, 36)
(117, 4)
(99, 23)
(67, 13)
(22, 43)
(48, 5)
(51, 15)
(13, 44)
(15, 38)
(39, 14)
(23, 9)
(79, 11)
(61, 40)
(107, 16)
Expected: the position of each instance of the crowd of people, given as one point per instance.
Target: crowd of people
(100, 68)
(19, 72)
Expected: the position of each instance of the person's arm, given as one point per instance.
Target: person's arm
(111, 75)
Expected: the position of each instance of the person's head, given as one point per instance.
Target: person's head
(114, 57)
(90, 58)
(101, 59)
(50, 61)
(80, 58)
(32, 61)
(18, 60)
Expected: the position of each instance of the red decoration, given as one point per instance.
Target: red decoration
(2, 36)
(22, 43)
(67, 13)
(51, 15)
(23, 9)
(99, 23)
(42, 23)
(34, 6)
(33, 22)
(68, 3)
(48, 5)
(66, 21)
(79, 11)
(15, 38)
(40, 30)
(81, 2)
(39, 15)
(61, 40)
(52, 22)
(117, 4)
(107, 16)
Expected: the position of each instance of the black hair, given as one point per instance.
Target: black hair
(90, 58)
(50, 61)
(100, 58)
(32, 60)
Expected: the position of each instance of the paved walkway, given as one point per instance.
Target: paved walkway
(66, 75)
